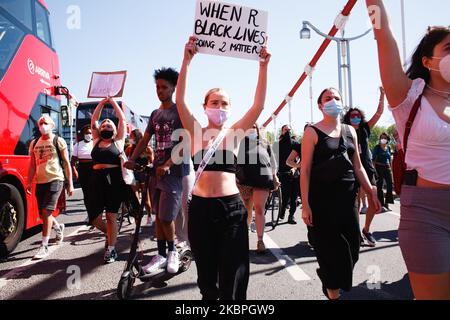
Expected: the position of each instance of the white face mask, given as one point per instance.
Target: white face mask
(88, 137)
(45, 129)
(132, 141)
(383, 141)
(217, 116)
(444, 67)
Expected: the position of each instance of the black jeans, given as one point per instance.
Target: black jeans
(290, 190)
(384, 175)
(218, 235)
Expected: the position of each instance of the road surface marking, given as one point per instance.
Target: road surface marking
(394, 213)
(294, 270)
(51, 249)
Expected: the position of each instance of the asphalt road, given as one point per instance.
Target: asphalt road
(75, 269)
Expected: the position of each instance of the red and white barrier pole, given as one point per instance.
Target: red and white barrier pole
(341, 19)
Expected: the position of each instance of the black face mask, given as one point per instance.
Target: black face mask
(106, 134)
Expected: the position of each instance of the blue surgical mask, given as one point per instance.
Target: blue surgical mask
(333, 108)
(355, 121)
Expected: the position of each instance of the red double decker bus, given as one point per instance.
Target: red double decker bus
(29, 82)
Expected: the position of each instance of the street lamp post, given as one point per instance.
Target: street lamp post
(344, 62)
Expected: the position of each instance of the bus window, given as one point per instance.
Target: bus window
(10, 39)
(42, 24)
(30, 131)
(19, 9)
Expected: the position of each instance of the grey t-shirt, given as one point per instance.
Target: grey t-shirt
(162, 123)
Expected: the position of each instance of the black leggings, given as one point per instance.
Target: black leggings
(219, 240)
(384, 174)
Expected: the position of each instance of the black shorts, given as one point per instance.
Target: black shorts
(108, 192)
(47, 195)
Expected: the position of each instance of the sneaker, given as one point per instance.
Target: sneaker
(291, 220)
(60, 234)
(158, 262)
(42, 253)
(181, 244)
(369, 238)
(173, 263)
(110, 256)
(364, 210)
(260, 247)
(361, 240)
(282, 215)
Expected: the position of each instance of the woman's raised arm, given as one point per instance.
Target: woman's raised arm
(395, 82)
(186, 116)
(122, 125)
(253, 114)
(95, 118)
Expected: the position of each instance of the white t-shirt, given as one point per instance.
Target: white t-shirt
(429, 142)
(82, 150)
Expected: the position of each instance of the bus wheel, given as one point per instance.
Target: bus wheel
(12, 218)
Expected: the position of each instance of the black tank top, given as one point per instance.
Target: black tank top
(109, 155)
(327, 147)
(222, 160)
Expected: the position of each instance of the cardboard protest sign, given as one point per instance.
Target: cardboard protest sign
(230, 30)
(105, 84)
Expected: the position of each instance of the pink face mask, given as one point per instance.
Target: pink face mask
(217, 116)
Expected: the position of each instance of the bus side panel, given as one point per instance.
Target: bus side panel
(32, 71)
(29, 74)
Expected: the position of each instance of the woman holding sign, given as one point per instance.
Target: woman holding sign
(217, 216)
(107, 180)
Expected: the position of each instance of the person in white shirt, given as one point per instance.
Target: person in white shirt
(424, 230)
(81, 162)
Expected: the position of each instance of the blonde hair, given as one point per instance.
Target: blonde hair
(47, 119)
(210, 92)
(111, 123)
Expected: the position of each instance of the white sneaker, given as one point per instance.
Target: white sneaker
(60, 234)
(158, 262)
(173, 263)
(42, 253)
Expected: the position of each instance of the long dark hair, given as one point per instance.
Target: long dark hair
(434, 36)
(349, 112)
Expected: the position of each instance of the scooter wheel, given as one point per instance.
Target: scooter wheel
(125, 287)
(185, 260)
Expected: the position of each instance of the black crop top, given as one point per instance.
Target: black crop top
(222, 160)
(109, 155)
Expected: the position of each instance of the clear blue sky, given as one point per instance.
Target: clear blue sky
(142, 35)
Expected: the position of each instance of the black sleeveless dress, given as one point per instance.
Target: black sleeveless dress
(335, 233)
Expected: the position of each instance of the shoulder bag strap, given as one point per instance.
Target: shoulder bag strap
(206, 158)
(409, 123)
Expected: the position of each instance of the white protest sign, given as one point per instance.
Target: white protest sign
(230, 30)
(104, 84)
